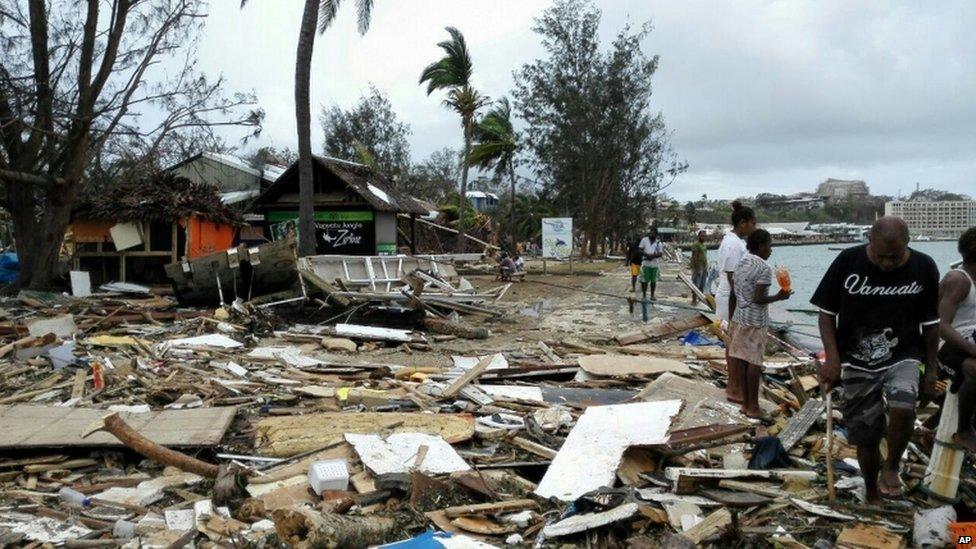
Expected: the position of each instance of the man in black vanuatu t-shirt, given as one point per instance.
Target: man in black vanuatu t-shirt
(879, 322)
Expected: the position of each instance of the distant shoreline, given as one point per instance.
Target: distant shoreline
(714, 245)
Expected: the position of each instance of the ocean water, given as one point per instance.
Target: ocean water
(807, 265)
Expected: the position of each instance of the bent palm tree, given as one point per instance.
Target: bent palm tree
(321, 14)
(495, 148)
(453, 73)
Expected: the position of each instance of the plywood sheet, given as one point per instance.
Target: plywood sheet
(705, 403)
(290, 435)
(628, 365)
(26, 426)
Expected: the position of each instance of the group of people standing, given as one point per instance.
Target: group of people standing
(742, 302)
(886, 323)
(643, 258)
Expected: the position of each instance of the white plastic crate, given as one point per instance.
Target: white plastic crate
(330, 474)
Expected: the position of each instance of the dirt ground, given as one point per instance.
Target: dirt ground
(559, 306)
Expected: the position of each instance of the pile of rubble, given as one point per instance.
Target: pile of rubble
(127, 421)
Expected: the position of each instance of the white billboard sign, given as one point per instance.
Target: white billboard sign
(557, 237)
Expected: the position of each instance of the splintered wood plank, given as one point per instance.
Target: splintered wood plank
(865, 536)
(25, 426)
(713, 526)
(467, 377)
(287, 436)
(535, 448)
(626, 365)
(798, 425)
(634, 462)
(491, 508)
(698, 435)
(705, 403)
(78, 388)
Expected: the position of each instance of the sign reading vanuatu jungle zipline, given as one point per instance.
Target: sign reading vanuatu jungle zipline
(557, 237)
(345, 233)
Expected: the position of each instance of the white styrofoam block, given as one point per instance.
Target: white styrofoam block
(329, 474)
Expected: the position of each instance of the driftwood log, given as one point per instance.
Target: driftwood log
(305, 528)
(114, 424)
(460, 329)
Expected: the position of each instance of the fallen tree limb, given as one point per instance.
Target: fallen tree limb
(303, 528)
(446, 327)
(131, 438)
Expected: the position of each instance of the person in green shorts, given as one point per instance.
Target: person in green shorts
(651, 250)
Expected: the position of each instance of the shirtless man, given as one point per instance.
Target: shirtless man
(879, 321)
(957, 309)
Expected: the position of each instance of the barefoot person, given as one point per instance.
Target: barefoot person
(750, 321)
(878, 321)
(730, 251)
(957, 313)
(651, 249)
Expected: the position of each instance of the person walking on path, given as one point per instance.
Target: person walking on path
(730, 251)
(879, 321)
(699, 266)
(651, 249)
(957, 326)
(750, 322)
(634, 261)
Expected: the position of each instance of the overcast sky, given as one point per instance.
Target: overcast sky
(762, 96)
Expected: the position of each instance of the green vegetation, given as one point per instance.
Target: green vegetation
(452, 74)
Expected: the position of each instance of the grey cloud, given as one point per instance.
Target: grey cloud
(759, 94)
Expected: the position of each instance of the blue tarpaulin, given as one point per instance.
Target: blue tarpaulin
(696, 339)
(9, 267)
(436, 540)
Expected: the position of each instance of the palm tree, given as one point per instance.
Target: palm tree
(495, 149)
(321, 14)
(453, 73)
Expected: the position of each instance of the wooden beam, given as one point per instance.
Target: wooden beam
(714, 525)
(491, 508)
(537, 449)
(467, 377)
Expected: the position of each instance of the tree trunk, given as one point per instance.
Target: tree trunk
(462, 200)
(39, 234)
(303, 117)
(511, 206)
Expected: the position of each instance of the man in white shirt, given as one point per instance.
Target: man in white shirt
(651, 250)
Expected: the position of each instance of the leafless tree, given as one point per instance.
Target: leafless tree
(96, 86)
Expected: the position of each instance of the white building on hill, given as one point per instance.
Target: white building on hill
(944, 219)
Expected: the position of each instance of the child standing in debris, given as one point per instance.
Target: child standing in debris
(731, 250)
(750, 321)
(957, 313)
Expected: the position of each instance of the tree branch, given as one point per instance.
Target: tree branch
(43, 118)
(23, 177)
